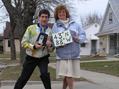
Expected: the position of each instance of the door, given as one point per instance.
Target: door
(113, 44)
(93, 46)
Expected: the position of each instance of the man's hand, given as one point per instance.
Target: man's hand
(37, 46)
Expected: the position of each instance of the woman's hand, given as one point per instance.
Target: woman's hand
(48, 43)
(76, 39)
(75, 36)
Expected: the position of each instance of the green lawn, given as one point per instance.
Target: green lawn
(7, 55)
(8, 61)
(12, 73)
(87, 58)
(52, 57)
(103, 67)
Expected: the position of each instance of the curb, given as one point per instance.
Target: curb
(7, 83)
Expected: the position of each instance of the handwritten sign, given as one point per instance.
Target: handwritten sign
(62, 38)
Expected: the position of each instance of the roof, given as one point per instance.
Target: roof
(115, 7)
(91, 31)
(93, 37)
(114, 4)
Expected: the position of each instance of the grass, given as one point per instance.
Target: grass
(5, 58)
(7, 55)
(111, 68)
(52, 58)
(8, 61)
(12, 73)
(87, 58)
(4, 55)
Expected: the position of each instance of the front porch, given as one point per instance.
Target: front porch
(114, 44)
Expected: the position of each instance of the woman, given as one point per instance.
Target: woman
(68, 63)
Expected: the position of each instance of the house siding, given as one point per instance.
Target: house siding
(87, 49)
(90, 30)
(7, 49)
(109, 32)
(104, 48)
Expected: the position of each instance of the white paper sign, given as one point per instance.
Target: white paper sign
(62, 38)
(41, 38)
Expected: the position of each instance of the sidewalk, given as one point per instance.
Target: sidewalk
(107, 81)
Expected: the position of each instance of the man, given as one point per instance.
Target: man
(37, 53)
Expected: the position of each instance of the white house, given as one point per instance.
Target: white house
(91, 45)
(109, 30)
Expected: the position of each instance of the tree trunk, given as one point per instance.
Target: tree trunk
(23, 24)
(22, 50)
(21, 16)
(12, 41)
(12, 47)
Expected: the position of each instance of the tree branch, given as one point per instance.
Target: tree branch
(8, 5)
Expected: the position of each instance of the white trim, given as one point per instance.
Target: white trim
(108, 43)
(93, 37)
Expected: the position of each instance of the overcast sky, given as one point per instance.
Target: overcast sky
(91, 6)
(82, 8)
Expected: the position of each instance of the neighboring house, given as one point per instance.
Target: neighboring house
(1, 43)
(91, 45)
(109, 31)
(6, 41)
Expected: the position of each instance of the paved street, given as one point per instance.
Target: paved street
(57, 85)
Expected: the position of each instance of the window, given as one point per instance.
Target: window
(110, 18)
(8, 43)
(101, 43)
(83, 45)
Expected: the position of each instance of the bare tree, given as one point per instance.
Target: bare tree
(20, 13)
(90, 19)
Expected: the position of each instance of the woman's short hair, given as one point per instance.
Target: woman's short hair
(58, 8)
